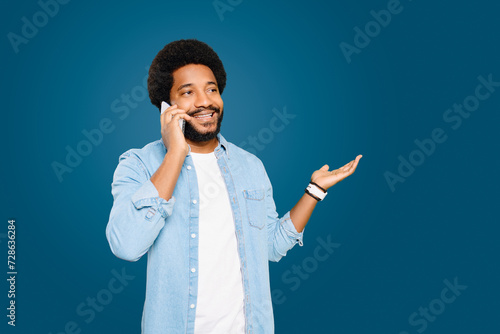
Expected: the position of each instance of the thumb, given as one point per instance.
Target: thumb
(324, 168)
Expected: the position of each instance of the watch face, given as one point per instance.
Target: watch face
(316, 191)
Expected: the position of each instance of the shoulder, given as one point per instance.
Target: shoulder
(148, 152)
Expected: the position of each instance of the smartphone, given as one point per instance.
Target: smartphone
(164, 106)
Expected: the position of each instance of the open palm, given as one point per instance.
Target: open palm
(326, 179)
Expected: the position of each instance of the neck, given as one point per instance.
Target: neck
(203, 146)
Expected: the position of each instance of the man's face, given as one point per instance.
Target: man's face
(195, 90)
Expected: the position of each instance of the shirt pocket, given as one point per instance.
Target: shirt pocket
(254, 200)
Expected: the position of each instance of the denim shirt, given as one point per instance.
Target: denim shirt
(140, 221)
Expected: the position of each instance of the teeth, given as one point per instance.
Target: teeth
(206, 115)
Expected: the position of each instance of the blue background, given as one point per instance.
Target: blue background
(396, 247)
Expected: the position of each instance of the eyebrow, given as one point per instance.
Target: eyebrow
(190, 84)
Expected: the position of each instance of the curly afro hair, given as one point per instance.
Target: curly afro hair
(176, 55)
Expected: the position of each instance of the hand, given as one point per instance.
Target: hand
(326, 179)
(171, 133)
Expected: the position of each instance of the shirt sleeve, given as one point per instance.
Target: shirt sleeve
(281, 233)
(138, 213)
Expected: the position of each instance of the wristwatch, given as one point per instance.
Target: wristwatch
(316, 191)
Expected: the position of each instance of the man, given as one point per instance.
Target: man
(202, 208)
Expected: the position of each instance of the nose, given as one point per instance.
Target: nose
(202, 100)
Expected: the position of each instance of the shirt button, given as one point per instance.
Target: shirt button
(188, 167)
(193, 235)
(192, 305)
(193, 270)
(195, 201)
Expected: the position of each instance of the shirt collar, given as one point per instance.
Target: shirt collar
(223, 143)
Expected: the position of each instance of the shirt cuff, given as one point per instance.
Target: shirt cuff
(290, 229)
(147, 196)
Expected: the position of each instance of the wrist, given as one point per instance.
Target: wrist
(177, 153)
(321, 187)
(316, 191)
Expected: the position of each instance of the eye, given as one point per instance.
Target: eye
(188, 92)
(212, 89)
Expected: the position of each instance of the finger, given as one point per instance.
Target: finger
(174, 121)
(355, 164)
(346, 166)
(166, 116)
(171, 112)
(343, 167)
(169, 108)
(325, 168)
(178, 116)
(184, 116)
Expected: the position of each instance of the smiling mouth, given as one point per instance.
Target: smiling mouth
(205, 116)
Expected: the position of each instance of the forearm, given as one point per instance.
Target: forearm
(165, 177)
(302, 211)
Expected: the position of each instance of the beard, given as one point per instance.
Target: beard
(192, 134)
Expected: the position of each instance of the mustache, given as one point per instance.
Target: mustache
(214, 108)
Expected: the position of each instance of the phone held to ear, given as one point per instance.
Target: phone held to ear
(164, 106)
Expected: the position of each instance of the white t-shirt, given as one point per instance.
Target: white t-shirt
(220, 302)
